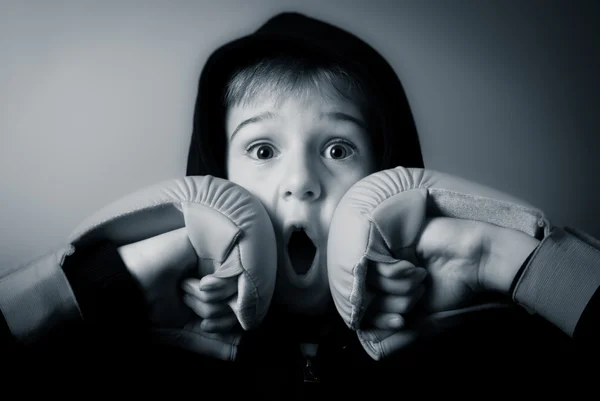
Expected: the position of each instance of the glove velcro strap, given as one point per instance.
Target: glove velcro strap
(37, 297)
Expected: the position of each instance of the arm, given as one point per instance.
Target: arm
(47, 299)
(173, 234)
(559, 280)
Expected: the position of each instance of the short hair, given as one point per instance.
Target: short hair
(281, 76)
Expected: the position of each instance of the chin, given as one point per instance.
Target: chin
(303, 290)
(313, 298)
(304, 304)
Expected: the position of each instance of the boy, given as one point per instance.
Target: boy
(297, 113)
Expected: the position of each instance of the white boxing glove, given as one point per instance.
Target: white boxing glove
(380, 218)
(230, 236)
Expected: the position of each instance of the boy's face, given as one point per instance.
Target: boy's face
(299, 157)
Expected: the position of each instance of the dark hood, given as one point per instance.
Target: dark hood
(290, 32)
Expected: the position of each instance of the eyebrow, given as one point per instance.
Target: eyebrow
(267, 115)
(339, 116)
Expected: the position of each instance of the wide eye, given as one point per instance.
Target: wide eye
(339, 151)
(261, 151)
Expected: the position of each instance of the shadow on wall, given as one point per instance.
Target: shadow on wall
(97, 98)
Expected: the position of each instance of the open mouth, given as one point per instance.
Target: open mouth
(301, 251)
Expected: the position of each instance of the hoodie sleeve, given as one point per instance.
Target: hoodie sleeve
(560, 282)
(106, 298)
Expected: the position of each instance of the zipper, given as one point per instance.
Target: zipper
(310, 368)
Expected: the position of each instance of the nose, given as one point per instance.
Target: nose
(301, 181)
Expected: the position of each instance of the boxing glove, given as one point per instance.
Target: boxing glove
(228, 229)
(380, 218)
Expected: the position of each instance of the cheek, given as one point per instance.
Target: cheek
(241, 172)
(344, 180)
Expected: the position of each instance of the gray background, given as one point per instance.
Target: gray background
(96, 98)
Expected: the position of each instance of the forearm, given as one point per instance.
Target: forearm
(107, 294)
(91, 286)
(507, 250)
